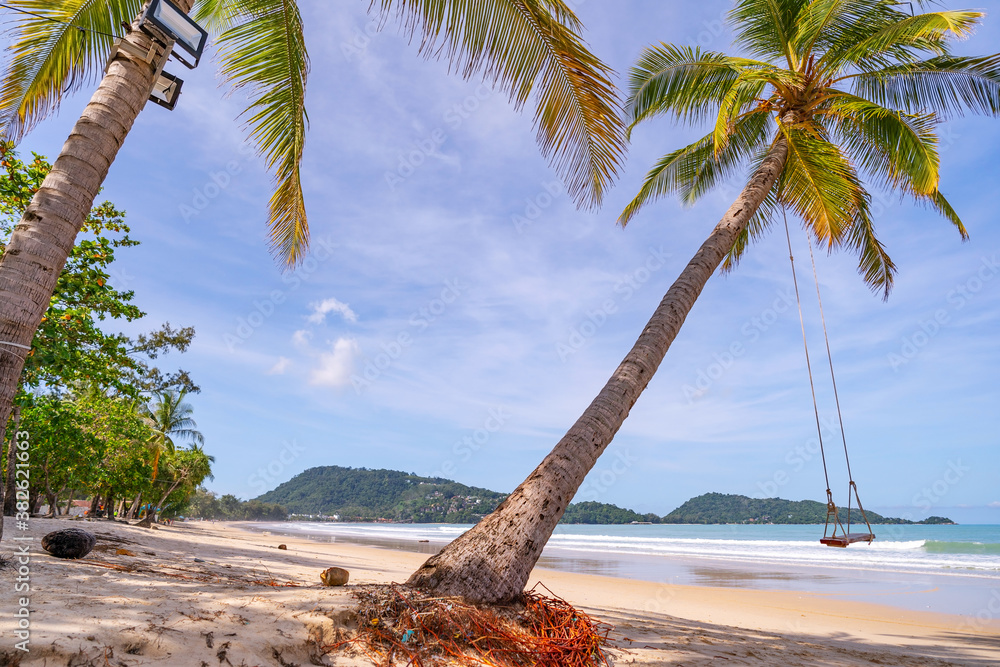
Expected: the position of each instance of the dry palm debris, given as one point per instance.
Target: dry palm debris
(400, 624)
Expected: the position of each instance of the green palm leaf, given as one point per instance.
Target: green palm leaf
(819, 184)
(697, 168)
(946, 85)
(525, 47)
(898, 148)
(50, 59)
(874, 263)
(902, 38)
(937, 201)
(683, 81)
(766, 28)
(264, 54)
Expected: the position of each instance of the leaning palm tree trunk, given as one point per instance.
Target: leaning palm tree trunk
(40, 243)
(492, 561)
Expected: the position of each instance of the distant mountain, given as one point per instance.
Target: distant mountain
(360, 494)
(718, 508)
(368, 495)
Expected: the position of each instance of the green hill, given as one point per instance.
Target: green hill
(367, 495)
(722, 508)
(359, 494)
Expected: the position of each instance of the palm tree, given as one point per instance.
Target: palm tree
(168, 416)
(190, 466)
(834, 90)
(523, 47)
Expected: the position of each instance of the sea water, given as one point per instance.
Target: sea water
(953, 569)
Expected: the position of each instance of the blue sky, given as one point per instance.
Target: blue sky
(458, 313)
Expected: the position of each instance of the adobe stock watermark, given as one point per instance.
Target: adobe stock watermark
(661, 600)
(264, 308)
(419, 322)
(463, 449)
(601, 479)
(928, 496)
(987, 615)
(266, 477)
(933, 493)
(216, 183)
(355, 48)
(797, 458)
(417, 154)
(957, 298)
(536, 205)
(22, 551)
(597, 317)
(751, 331)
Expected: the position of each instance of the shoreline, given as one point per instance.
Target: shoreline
(957, 592)
(190, 588)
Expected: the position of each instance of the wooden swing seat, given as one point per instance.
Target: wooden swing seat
(850, 538)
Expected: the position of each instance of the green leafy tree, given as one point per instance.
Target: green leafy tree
(170, 417)
(833, 91)
(62, 446)
(71, 347)
(186, 470)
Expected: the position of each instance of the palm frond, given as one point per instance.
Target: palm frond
(63, 46)
(189, 434)
(937, 201)
(766, 27)
(684, 81)
(819, 184)
(825, 24)
(874, 263)
(896, 147)
(946, 85)
(902, 39)
(697, 168)
(265, 54)
(738, 100)
(217, 16)
(532, 47)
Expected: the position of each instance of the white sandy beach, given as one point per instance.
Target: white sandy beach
(162, 606)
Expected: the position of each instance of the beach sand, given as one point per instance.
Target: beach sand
(162, 606)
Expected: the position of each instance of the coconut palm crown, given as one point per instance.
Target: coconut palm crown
(170, 417)
(855, 87)
(526, 48)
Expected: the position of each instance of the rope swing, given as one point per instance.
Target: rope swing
(838, 536)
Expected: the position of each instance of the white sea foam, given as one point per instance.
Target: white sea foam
(757, 544)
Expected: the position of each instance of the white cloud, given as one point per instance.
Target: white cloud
(280, 367)
(335, 367)
(301, 338)
(321, 308)
(995, 503)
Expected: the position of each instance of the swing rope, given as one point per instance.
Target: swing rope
(831, 508)
(805, 344)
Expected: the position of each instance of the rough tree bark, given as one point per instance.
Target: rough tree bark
(492, 561)
(40, 243)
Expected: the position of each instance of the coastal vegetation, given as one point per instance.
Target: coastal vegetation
(715, 508)
(358, 494)
(825, 101)
(101, 417)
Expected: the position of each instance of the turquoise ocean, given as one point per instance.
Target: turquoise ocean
(947, 569)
